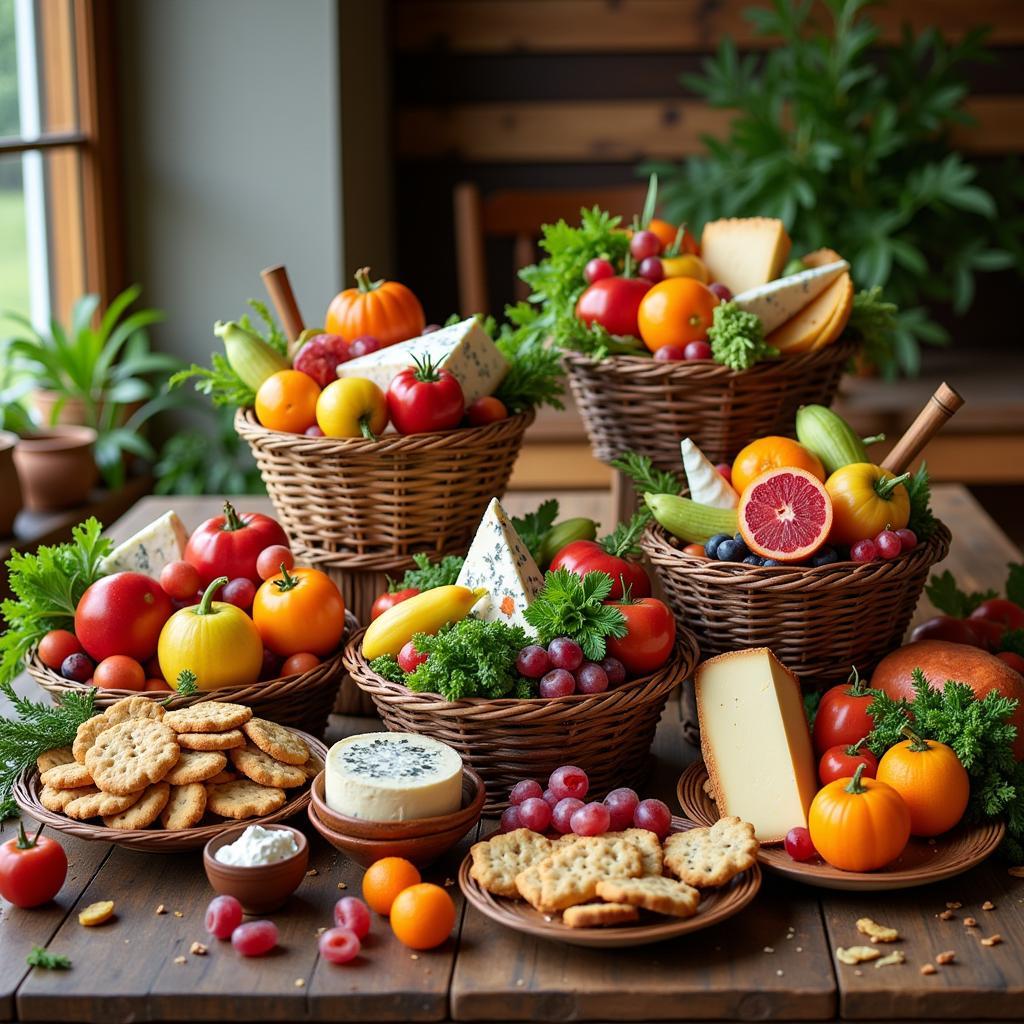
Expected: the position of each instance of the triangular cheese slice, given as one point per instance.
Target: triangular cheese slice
(780, 300)
(801, 332)
(742, 253)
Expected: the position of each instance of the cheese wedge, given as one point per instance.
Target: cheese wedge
(778, 301)
(742, 253)
(818, 319)
(755, 741)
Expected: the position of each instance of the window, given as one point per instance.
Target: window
(58, 234)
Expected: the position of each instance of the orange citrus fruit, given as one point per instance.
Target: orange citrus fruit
(422, 916)
(676, 311)
(785, 514)
(385, 879)
(773, 453)
(667, 232)
(286, 401)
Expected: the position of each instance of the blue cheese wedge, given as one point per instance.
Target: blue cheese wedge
(464, 349)
(499, 562)
(781, 300)
(392, 776)
(149, 550)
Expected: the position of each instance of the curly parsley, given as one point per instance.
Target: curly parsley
(573, 606)
(737, 337)
(428, 574)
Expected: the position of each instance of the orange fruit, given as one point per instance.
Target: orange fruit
(667, 232)
(286, 401)
(385, 879)
(676, 311)
(785, 514)
(773, 453)
(422, 916)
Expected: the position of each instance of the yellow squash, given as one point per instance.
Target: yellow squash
(424, 613)
(866, 499)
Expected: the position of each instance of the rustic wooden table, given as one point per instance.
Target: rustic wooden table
(774, 961)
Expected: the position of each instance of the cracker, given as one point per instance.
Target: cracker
(528, 885)
(86, 735)
(144, 812)
(877, 932)
(100, 805)
(243, 799)
(648, 845)
(52, 758)
(599, 915)
(313, 767)
(262, 768)
(134, 707)
(57, 799)
(277, 741)
(132, 755)
(662, 895)
(571, 874)
(857, 954)
(185, 808)
(209, 716)
(96, 914)
(196, 766)
(67, 776)
(211, 740)
(497, 861)
(712, 856)
(225, 776)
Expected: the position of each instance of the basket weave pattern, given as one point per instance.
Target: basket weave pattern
(631, 403)
(608, 734)
(818, 621)
(358, 504)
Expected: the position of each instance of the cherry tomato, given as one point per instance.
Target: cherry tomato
(651, 636)
(486, 410)
(32, 871)
(230, 544)
(389, 599)
(298, 611)
(122, 614)
(842, 716)
(697, 550)
(676, 311)
(840, 762)
(1015, 661)
(299, 663)
(583, 556)
(423, 399)
(56, 646)
(119, 673)
(613, 302)
(272, 558)
(180, 580)
(999, 609)
(155, 685)
(409, 659)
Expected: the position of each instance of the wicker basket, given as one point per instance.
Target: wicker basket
(818, 621)
(608, 734)
(301, 702)
(631, 403)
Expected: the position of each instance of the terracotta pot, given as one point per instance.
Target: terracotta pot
(72, 412)
(56, 467)
(10, 486)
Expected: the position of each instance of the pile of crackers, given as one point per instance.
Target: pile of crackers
(607, 880)
(137, 762)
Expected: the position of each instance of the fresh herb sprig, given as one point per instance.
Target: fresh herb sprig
(943, 592)
(646, 476)
(572, 606)
(919, 487)
(40, 957)
(534, 375)
(47, 587)
(428, 574)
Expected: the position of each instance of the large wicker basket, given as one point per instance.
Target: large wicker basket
(608, 734)
(302, 702)
(633, 403)
(818, 621)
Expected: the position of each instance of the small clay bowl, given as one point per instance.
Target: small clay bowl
(259, 889)
(473, 796)
(421, 850)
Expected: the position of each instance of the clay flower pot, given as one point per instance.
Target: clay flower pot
(56, 467)
(10, 487)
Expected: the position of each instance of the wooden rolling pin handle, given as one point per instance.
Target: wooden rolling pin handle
(279, 288)
(929, 421)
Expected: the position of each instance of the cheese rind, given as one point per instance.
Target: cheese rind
(392, 776)
(755, 741)
(149, 550)
(777, 301)
(464, 349)
(742, 253)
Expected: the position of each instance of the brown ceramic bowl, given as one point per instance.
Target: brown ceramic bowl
(473, 796)
(259, 889)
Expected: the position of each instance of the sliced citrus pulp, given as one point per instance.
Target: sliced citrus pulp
(785, 514)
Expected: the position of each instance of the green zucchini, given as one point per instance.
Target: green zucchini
(830, 437)
(565, 532)
(248, 354)
(689, 520)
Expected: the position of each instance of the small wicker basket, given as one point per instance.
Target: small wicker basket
(607, 734)
(818, 621)
(302, 702)
(633, 403)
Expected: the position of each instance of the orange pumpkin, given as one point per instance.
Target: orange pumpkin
(932, 781)
(385, 310)
(773, 453)
(858, 824)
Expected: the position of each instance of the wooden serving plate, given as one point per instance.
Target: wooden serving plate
(716, 905)
(922, 862)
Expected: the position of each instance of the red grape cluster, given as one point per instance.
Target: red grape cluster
(888, 544)
(563, 670)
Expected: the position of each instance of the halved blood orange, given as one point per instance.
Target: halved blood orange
(785, 514)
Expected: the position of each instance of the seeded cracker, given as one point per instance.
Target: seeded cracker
(129, 756)
(196, 766)
(497, 861)
(262, 768)
(662, 895)
(243, 799)
(571, 874)
(67, 776)
(144, 812)
(712, 856)
(228, 740)
(599, 915)
(209, 716)
(277, 741)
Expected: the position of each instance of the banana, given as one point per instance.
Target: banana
(424, 613)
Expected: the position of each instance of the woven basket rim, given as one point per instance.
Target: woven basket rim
(684, 657)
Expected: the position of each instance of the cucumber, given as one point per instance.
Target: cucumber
(248, 354)
(565, 532)
(830, 437)
(689, 520)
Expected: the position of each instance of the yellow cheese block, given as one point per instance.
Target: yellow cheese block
(755, 741)
(744, 252)
(818, 318)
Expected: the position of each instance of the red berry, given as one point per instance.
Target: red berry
(557, 683)
(697, 350)
(76, 667)
(239, 592)
(180, 580)
(223, 916)
(670, 354)
(569, 781)
(550, 799)
(352, 913)
(654, 816)
(725, 471)
(561, 815)
(535, 814)
(888, 544)
(313, 431)
(509, 820)
(614, 670)
(363, 346)
(339, 945)
(254, 938)
(524, 791)
(597, 270)
(622, 804)
(591, 819)
(864, 551)
(533, 662)
(908, 539)
(565, 653)
(409, 659)
(798, 844)
(591, 678)
(271, 559)
(651, 269)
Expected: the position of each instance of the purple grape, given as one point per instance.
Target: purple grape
(654, 816)
(524, 791)
(569, 781)
(535, 814)
(670, 353)
(720, 291)
(908, 539)
(550, 799)
(697, 350)
(864, 551)
(76, 667)
(565, 653)
(591, 819)
(621, 804)
(889, 544)
(651, 270)
(509, 820)
(591, 678)
(614, 670)
(557, 683)
(533, 662)
(562, 814)
(644, 244)
(363, 346)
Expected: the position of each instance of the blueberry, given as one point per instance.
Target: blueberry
(771, 561)
(753, 560)
(826, 556)
(730, 551)
(711, 547)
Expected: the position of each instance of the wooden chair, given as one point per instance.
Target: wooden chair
(518, 214)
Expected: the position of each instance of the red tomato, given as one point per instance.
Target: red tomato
(271, 559)
(389, 599)
(999, 609)
(486, 410)
(32, 871)
(840, 762)
(583, 556)
(1015, 661)
(56, 646)
(122, 614)
(651, 636)
(842, 716)
(409, 659)
(945, 627)
(230, 544)
(299, 663)
(422, 399)
(119, 673)
(613, 302)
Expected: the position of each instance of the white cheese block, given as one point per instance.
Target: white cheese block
(392, 776)
(780, 300)
(755, 741)
(151, 548)
(464, 349)
(499, 562)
